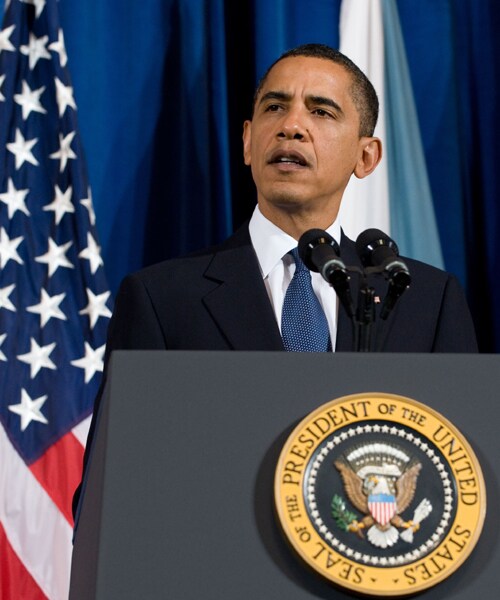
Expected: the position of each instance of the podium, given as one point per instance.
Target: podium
(178, 502)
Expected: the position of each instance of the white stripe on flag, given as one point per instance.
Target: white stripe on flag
(81, 431)
(413, 219)
(37, 531)
(366, 201)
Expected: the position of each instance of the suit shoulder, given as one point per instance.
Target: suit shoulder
(426, 268)
(190, 265)
(172, 266)
(433, 276)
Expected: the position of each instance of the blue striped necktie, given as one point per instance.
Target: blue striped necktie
(304, 327)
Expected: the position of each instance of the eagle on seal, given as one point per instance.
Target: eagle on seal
(382, 491)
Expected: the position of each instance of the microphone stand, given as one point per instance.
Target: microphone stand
(364, 317)
(320, 253)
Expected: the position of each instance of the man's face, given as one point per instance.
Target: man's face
(303, 142)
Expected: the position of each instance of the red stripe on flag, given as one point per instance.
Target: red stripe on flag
(59, 471)
(382, 512)
(15, 580)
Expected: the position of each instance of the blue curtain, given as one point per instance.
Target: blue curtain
(454, 56)
(163, 87)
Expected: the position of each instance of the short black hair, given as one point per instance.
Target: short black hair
(362, 92)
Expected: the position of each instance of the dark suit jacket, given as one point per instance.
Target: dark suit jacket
(217, 300)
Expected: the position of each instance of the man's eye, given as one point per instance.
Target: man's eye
(321, 112)
(273, 108)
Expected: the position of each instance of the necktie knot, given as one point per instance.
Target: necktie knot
(304, 326)
(299, 264)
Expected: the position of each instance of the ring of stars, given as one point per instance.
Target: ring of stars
(428, 545)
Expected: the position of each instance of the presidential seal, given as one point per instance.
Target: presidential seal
(380, 494)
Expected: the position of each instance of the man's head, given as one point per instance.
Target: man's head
(311, 129)
(362, 91)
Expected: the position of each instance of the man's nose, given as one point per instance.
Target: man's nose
(293, 127)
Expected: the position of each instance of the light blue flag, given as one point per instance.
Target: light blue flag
(413, 221)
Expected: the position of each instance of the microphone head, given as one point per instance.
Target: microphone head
(374, 247)
(311, 239)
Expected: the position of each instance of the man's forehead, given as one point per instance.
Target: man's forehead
(310, 75)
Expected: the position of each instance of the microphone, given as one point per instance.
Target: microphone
(377, 249)
(320, 253)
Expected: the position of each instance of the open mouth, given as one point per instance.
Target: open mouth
(288, 158)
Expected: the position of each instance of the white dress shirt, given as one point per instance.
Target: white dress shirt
(272, 245)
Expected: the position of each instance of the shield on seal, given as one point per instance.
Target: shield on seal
(382, 507)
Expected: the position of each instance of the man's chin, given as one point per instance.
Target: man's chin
(287, 199)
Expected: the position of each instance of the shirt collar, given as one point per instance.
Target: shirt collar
(271, 243)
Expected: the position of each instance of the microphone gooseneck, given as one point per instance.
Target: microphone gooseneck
(379, 255)
(321, 254)
(377, 250)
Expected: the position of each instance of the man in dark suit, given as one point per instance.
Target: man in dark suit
(312, 128)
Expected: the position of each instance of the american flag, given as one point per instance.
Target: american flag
(54, 303)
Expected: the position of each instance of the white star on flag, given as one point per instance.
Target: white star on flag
(61, 204)
(64, 95)
(5, 301)
(29, 100)
(21, 148)
(92, 253)
(96, 307)
(2, 340)
(65, 152)
(60, 48)
(38, 357)
(48, 307)
(89, 205)
(35, 49)
(28, 409)
(41, 328)
(91, 362)
(14, 199)
(8, 248)
(38, 4)
(5, 43)
(55, 257)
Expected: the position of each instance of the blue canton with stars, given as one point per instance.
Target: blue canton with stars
(54, 299)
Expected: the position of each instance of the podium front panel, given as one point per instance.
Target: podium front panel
(179, 499)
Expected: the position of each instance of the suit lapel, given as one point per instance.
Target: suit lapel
(239, 304)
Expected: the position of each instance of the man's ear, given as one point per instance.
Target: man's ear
(247, 139)
(370, 156)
